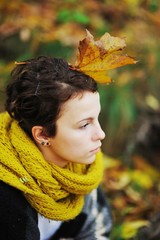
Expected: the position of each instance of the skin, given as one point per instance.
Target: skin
(79, 133)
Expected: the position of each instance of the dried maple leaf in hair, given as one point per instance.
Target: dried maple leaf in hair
(95, 58)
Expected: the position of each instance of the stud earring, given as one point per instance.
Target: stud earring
(45, 143)
(48, 143)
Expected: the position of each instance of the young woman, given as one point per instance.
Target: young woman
(50, 159)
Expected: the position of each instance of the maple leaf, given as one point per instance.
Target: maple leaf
(95, 58)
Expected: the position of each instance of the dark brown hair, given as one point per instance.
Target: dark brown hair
(38, 89)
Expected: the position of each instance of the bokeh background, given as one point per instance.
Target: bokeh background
(130, 105)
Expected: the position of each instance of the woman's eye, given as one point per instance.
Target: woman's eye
(85, 125)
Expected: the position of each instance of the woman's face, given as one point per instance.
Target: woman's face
(79, 133)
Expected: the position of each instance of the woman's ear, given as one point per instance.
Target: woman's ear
(39, 136)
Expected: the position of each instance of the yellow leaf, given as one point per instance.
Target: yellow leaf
(142, 179)
(142, 165)
(116, 178)
(129, 229)
(95, 58)
(152, 102)
(110, 162)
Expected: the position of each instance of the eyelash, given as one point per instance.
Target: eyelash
(85, 125)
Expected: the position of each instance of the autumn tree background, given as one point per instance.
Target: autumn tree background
(54, 28)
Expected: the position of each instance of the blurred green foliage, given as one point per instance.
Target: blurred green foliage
(67, 15)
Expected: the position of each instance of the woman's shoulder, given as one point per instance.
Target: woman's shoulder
(8, 191)
(16, 214)
(12, 199)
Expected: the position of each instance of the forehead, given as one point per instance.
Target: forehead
(81, 105)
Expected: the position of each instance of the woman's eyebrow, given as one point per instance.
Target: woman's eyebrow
(85, 119)
(89, 118)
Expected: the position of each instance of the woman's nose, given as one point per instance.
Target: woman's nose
(98, 134)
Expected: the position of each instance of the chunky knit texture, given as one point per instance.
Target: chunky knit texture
(56, 193)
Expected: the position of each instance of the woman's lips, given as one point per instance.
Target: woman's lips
(95, 150)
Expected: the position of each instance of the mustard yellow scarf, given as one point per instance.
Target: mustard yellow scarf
(56, 193)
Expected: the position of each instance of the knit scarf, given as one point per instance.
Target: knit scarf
(56, 193)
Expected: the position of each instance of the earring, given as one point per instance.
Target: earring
(45, 143)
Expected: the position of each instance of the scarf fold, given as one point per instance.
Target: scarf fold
(56, 193)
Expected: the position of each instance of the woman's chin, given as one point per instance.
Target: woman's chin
(91, 159)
